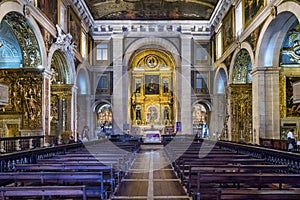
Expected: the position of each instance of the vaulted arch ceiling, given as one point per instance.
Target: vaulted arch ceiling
(152, 9)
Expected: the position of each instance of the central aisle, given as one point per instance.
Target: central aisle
(151, 177)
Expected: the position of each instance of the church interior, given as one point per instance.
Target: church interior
(150, 99)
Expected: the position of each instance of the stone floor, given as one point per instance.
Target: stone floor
(151, 177)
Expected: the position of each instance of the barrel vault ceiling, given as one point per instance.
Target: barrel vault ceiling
(151, 9)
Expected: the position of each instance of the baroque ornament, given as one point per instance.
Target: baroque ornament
(65, 41)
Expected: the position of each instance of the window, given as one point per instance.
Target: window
(219, 45)
(238, 20)
(103, 82)
(200, 82)
(83, 44)
(201, 52)
(102, 52)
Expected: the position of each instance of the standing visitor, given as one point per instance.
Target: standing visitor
(291, 140)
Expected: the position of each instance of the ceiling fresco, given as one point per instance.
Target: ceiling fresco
(151, 9)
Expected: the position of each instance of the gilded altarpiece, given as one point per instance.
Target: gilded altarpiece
(287, 107)
(151, 94)
(25, 103)
(60, 114)
(240, 112)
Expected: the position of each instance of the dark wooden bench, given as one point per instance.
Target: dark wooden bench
(193, 171)
(230, 194)
(110, 175)
(44, 191)
(256, 180)
(93, 180)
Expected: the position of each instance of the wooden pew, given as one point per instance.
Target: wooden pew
(44, 191)
(180, 164)
(230, 194)
(110, 175)
(250, 179)
(187, 171)
(43, 178)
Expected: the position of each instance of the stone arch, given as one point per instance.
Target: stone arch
(272, 36)
(59, 69)
(159, 42)
(68, 57)
(220, 79)
(201, 119)
(84, 113)
(248, 48)
(83, 77)
(8, 7)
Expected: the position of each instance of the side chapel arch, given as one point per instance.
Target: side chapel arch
(239, 93)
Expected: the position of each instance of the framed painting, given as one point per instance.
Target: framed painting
(252, 8)
(74, 27)
(228, 30)
(151, 84)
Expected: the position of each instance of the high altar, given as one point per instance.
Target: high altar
(151, 100)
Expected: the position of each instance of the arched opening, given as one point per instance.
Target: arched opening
(201, 117)
(104, 117)
(20, 60)
(83, 106)
(240, 99)
(219, 112)
(290, 75)
(61, 98)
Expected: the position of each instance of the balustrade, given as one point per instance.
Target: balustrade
(272, 156)
(13, 144)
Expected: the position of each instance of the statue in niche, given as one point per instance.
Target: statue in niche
(166, 86)
(138, 87)
(166, 113)
(138, 113)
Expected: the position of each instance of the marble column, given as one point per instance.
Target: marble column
(266, 116)
(46, 107)
(119, 90)
(185, 89)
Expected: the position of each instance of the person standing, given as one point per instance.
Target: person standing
(291, 140)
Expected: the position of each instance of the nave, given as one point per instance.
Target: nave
(151, 177)
(182, 169)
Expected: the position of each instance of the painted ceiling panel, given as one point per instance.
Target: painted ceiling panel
(151, 9)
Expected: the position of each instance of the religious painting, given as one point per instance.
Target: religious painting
(63, 16)
(252, 8)
(49, 8)
(74, 28)
(228, 31)
(152, 114)
(151, 84)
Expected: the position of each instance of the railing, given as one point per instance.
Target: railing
(272, 156)
(8, 161)
(13, 144)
